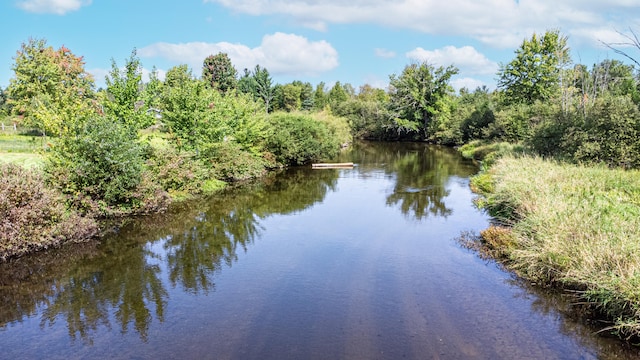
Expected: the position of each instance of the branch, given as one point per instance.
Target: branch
(633, 41)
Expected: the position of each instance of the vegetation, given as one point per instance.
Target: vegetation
(569, 206)
(574, 226)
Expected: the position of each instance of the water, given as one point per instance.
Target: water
(356, 263)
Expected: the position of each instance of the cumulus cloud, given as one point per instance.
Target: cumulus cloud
(281, 54)
(59, 7)
(500, 23)
(465, 58)
(384, 53)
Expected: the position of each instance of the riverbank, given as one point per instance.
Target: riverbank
(569, 226)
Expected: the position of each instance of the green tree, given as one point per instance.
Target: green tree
(418, 97)
(124, 95)
(264, 86)
(291, 97)
(259, 84)
(219, 73)
(320, 99)
(50, 88)
(178, 76)
(337, 95)
(152, 92)
(535, 73)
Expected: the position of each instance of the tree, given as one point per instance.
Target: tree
(259, 84)
(124, 94)
(535, 73)
(337, 95)
(218, 72)
(178, 76)
(50, 88)
(264, 85)
(417, 97)
(291, 97)
(152, 92)
(320, 96)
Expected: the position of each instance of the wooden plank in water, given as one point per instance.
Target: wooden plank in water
(332, 165)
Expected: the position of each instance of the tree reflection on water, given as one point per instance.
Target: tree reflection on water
(121, 277)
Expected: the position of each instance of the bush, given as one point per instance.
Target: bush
(34, 217)
(101, 163)
(229, 162)
(297, 139)
(611, 133)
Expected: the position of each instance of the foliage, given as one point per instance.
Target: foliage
(189, 115)
(337, 95)
(230, 162)
(180, 173)
(611, 133)
(417, 98)
(34, 217)
(50, 89)
(219, 73)
(124, 97)
(534, 74)
(101, 163)
(297, 139)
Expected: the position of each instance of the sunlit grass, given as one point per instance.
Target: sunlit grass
(21, 150)
(573, 225)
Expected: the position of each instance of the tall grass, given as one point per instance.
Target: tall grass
(574, 226)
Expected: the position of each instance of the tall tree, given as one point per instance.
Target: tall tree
(535, 73)
(50, 88)
(320, 96)
(219, 73)
(124, 94)
(264, 86)
(417, 97)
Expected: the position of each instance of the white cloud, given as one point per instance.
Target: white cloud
(100, 74)
(281, 54)
(59, 7)
(468, 83)
(465, 58)
(384, 53)
(500, 23)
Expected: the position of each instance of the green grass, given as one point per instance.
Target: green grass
(21, 149)
(573, 226)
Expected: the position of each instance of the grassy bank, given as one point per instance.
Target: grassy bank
(571, 226)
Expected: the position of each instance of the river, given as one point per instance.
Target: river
(361, 263)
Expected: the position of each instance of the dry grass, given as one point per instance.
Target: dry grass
(574, 226)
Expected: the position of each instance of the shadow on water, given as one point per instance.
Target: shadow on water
(128, 281)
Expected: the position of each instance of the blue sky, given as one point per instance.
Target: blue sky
(355, 41)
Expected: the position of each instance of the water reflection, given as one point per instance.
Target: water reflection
(349, 288)
(91, 285)
(421, 174)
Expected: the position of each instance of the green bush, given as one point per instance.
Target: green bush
(100, 164)
(297, 139)
(34, 217)
(611, 133)
(230, 162)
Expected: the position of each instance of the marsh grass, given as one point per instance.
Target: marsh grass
(574, 226)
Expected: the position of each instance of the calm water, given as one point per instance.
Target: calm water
(358, 263)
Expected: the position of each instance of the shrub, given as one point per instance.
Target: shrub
(229, 162)
(297, 139)
(34, 217)
(611, 133)
(101, 162)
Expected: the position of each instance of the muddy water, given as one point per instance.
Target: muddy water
(358, 263)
